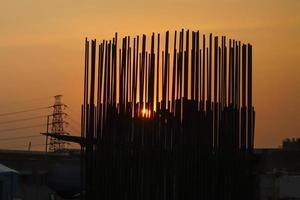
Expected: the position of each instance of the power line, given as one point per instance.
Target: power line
(72, 127)
(22, 146)
(73, 130)
(17, 138)
(23, 111)
(73, 111)
(28, 100)
(23, 119)
(75, 121)
(24, 127)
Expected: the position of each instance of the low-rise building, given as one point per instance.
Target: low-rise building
(8, 183)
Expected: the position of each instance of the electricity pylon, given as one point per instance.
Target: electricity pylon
(57, 125)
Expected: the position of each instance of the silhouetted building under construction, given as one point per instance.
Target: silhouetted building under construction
(168, 124)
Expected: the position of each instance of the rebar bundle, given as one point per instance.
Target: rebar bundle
(168, 124)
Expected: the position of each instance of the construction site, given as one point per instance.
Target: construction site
(164, 117)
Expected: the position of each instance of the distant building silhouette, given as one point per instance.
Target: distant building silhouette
(291, 144)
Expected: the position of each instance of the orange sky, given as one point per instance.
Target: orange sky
(41, 50)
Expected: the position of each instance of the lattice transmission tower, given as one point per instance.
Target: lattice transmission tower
(57, 125)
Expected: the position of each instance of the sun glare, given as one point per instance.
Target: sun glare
(146, 113)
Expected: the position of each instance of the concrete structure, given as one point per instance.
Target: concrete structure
(57, 175)
(168, 123)
(279, 186)
(291, 144)
(8, 183)
(278, 172)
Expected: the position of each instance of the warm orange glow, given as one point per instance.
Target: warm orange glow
(146, 113)
(45, 42)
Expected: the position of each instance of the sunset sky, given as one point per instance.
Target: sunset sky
(42, 50)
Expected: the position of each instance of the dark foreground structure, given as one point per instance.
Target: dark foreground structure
(163, 124)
